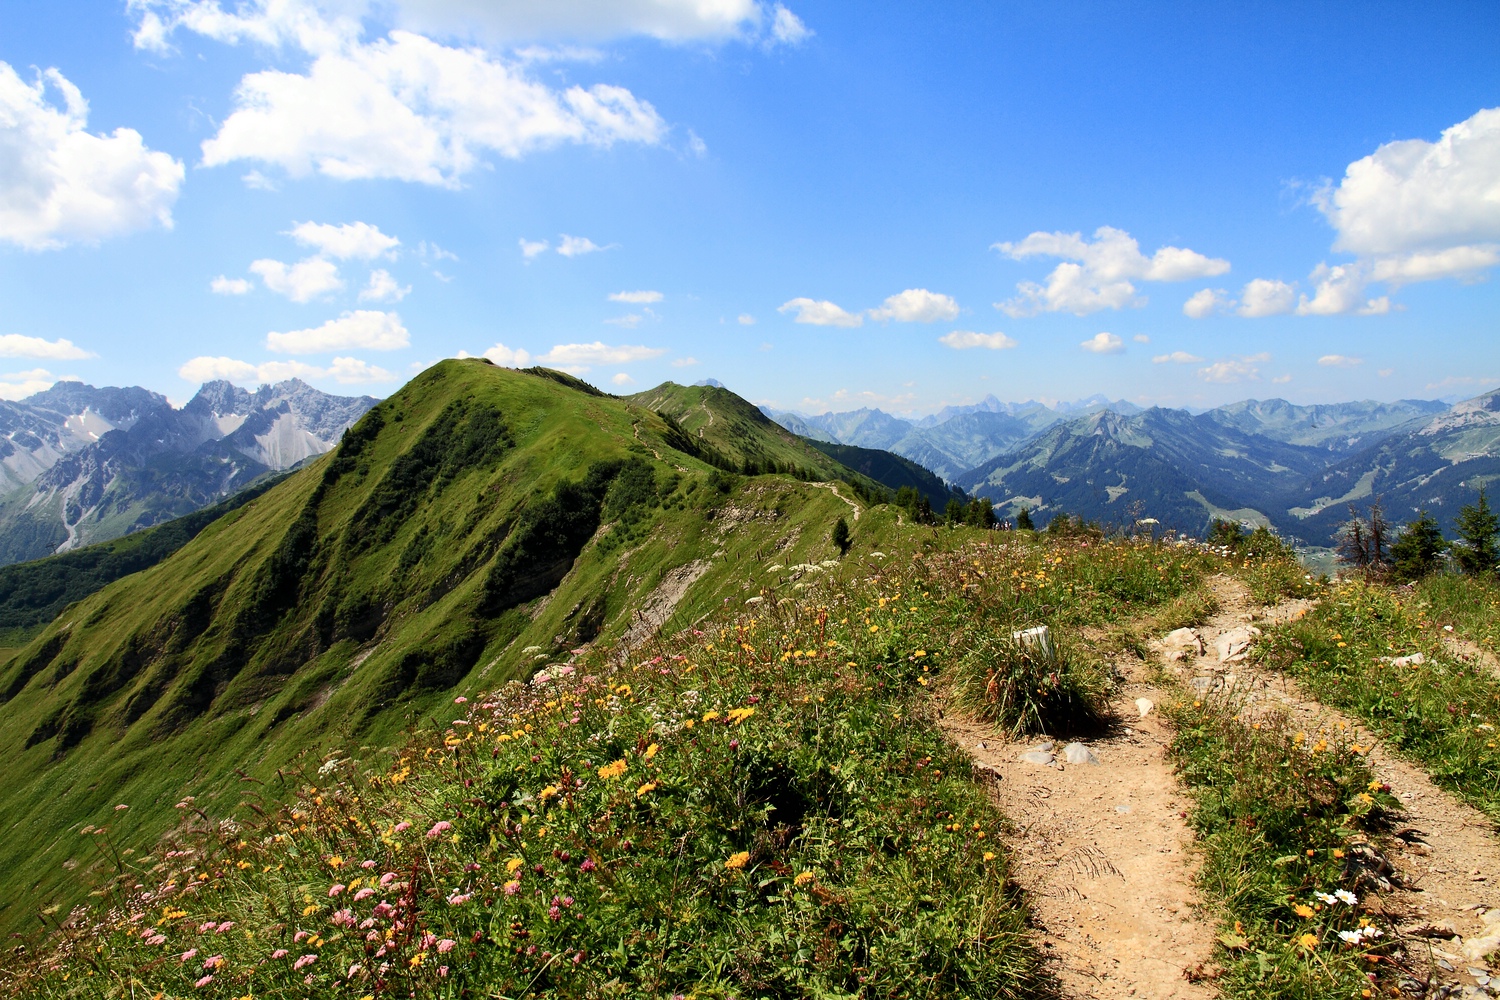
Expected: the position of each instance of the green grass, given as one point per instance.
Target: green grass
(1443, 713)
(341, 606)
(1470, 604)
(1284, 819)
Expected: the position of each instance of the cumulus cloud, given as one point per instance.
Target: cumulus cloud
(383, 288)
(300, 282)
(1103, 343)
(581, 357)
(19, 385)
(1177, 358)
(229, 286)
(1204, 303)
(684, 362)
(62, 184)
(15, 345)
(621, 378)
(577, 246)
(1266, 297)
(745, 319)
(819, 313)
(1098, 275)
(1245, 368)
(1339, 361)
(963, 340)
(351, 241)
(408, 108)
(916, 305)
(787, 28)
(505, 357)
(1454, 262)
(1340, 289)
(643, 298)
(342, 370)
(531, 248)
(364, 328)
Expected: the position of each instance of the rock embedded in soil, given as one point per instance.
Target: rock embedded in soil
(1185, 639)
(1077, 753)
(1144, 706)
(1233, 644)
(1037, 757)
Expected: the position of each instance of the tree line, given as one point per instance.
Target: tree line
(1370, 544)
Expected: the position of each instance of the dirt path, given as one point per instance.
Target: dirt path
(829, 486)
(1471, 652)
(1445, 854)
(1103, 850)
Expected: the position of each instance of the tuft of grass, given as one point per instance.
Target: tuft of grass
(1194, 607)
(1284, 818)
(1471, 604)
(1442, 713)
(1025, 688)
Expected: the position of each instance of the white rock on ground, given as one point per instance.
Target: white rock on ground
(1235, 643)
(1185, 639)
(1077, 753)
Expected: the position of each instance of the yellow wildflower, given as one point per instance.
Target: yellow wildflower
(645, 789)
(611, 771)
(651, 751)
(803, 878)
(512, 865)
(737, 861)
(710, 716)
(1308, 941)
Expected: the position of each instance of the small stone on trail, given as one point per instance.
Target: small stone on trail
(982, 745)
(1077, 753)
(1122, 810)
(1235, 643)
(1036, 757)
(1144, 706)
(1185, 639)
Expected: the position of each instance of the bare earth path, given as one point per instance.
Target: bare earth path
(1446, 855)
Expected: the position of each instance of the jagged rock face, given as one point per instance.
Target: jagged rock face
(82, 464)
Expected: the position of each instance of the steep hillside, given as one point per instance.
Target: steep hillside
(889, 470)
(1436, 463)
(84, 464)
(466, 530)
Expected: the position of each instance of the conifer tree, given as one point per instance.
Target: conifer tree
(840, 536)
(1419, 549)
(1023, 520)
(1476, 550)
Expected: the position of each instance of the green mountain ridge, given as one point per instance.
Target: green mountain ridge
(476, 524)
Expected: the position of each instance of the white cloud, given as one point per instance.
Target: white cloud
(1386, 372)
(1340, 289)
(363, 328)
(61, 184)
(1177, 358)
(1103, 343)
(684, 362)
(15, 345)
(745, 319)
(1098, 275)
(505, 357)
(629, 321)
(584, 356)
(19, 385)
(577, 246)
(636, 298)
(620, 378)
(819, 313)
(383, 288)
(300, 282)
(787, 28)
(962, 340)
(1141, 338)
(1454, 262)
(1339, 361)
(1205, 303)
(432, 250)
(343, 370)
(408, 108)
(1417, 195)
(355, 240)
(917, 305)
(1281, 379)
(530, 249)
(229, 286)
(1245, 368)
(1266, 297)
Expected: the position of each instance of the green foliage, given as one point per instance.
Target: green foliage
(1023, 520)
(1024, 688)
(1282, 816)
(840, 536)
(916, 505)
(1477, 550)
(953, 513)
(1441, 712)
(1468, 604)
(1419, 549)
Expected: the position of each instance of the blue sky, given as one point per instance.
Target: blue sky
(822, 205)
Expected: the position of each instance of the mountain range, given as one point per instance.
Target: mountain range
(1292, 467)
(80, 464)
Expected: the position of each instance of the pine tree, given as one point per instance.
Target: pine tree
(1477, 525)
(840, 536)
(1023, 520)
(954, 512)
(1419, 549)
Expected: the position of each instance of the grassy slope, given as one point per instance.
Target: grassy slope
(292, 623)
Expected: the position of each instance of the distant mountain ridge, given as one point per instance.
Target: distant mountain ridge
(81, 464)
(1294, 467)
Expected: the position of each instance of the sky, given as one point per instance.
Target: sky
(822, 205)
